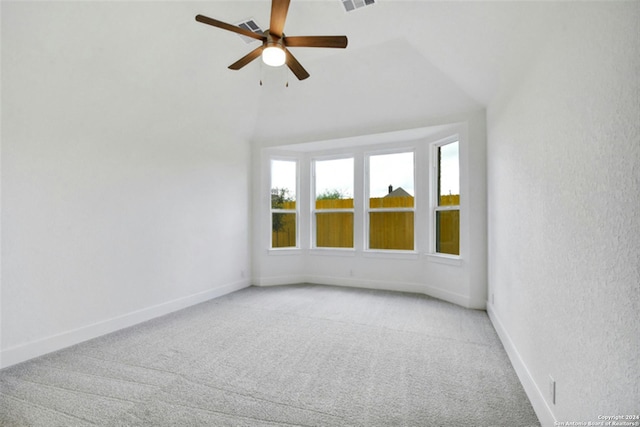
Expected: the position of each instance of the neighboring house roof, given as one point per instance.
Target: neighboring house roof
(398, 192)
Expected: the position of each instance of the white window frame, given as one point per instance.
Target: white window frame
(315, 211)
(295, 211)
(435, 208)
(368, 210)
(419, 140)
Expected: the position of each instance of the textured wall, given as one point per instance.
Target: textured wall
(112, 196)
(564, 217)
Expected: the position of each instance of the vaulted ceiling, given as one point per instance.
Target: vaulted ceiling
(150, 64)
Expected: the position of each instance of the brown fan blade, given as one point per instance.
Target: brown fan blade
(296, 67)
(316, 41)
(279, 9)
(247, 58)
(229, 27)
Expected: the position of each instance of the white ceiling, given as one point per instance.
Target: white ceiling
(151, 64)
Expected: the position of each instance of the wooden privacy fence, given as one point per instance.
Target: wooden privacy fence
(448, 226)
(391, 230)
(283, 227)
(387, 229)
(334, 229)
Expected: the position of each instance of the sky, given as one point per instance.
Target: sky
(449, 169)
(335, 175)
(283, 175)
(395, 169)
(390, 169)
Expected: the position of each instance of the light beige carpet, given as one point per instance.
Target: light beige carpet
(302, 355)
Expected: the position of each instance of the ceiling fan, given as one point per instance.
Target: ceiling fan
(275, 44)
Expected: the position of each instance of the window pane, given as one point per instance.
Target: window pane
(283, 184)
(391, 230)
(283, 230)
(391, 175)
(448, 232)
(334, 184)
(334, 230)
(448, 175)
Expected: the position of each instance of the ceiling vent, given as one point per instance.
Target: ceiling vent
(350, 5)
(251, 25)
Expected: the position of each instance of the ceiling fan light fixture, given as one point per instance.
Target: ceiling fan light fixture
(274, 55)
(275, 46)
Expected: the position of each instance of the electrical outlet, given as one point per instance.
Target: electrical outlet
(552, 390)
(242, 273)
(493, 299)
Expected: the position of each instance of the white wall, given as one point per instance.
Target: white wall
(118, 204)
(460, 281)
(0, 196)
(564, 224)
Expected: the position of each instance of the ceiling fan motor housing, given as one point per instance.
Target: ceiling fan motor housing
(273, 41)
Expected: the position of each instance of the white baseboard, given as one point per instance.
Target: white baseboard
(418, 288)
(539, 403)
(279, 280)
(24, 352)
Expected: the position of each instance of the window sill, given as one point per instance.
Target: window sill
(445, 259)
(391, 254)
(284, 251)
(333, 251)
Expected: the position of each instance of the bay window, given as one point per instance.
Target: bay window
(395, 199)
